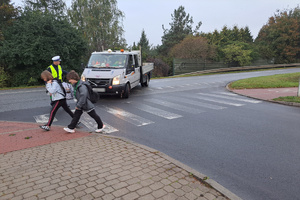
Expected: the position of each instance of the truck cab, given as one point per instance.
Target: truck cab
(117, 73)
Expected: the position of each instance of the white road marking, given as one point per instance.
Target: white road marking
(43, 119)
(175, 106)
(198, 103)
(228, 93)
(218, 101)
(158, 112)
(231, 98)
(23, 91)
(92, 125)
(127, 116)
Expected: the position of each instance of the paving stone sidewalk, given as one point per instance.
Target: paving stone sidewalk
(100, 167)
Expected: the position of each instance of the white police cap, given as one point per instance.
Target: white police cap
(56, 58)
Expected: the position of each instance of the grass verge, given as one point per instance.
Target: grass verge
(288, 99)
(274, 81)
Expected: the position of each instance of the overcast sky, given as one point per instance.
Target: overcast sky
(150, 15)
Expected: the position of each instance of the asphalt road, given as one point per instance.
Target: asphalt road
(250, 147)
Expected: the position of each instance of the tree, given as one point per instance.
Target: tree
(181, 27)
(194, 47)
(55, 7)
(226, 36)
(8, 14)
(236, 54)
(144, 44)
(100, 22)
(280, 37)
(33, 40)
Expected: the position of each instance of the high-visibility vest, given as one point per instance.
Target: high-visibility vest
(54, 73)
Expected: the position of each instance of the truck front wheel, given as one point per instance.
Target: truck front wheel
(126, 92)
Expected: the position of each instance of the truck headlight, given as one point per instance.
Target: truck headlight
(116, 80)
(83, 77)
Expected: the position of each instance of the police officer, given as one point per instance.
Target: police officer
(56, 70)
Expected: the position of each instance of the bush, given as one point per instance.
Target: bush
(161, 69)
(32, 81)
(4, 78)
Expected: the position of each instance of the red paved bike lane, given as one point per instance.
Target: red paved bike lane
(19, 135)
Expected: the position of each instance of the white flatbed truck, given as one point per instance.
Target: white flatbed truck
(117, 72)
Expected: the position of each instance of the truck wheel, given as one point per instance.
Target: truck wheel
(126, 92)
(146, 83)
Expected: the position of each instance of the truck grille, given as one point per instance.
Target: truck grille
(99, 82)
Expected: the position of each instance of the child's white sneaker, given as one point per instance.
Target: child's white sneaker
(69, 130)
(100, 129)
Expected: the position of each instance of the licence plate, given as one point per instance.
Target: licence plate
(99, 89)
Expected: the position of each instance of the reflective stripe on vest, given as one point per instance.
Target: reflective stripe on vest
(54, 73)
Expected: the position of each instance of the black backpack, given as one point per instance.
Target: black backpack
(93, 96)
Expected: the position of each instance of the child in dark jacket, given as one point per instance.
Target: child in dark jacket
(83, 103)
(58, 98)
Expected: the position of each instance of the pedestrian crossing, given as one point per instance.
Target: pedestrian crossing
(176, 88)
(127, 116)
(158, 112)
(175, 106)
(168, 107)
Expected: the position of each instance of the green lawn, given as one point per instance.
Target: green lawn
(274, 81)
(288, 99)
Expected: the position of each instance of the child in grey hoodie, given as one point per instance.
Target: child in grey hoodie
(58, 97)
(83, 103)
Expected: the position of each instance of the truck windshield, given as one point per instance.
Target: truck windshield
(107, 61)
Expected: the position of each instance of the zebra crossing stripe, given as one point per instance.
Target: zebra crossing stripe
(158, 112)
(43, 119)
(92, 125)
(127, 116)
(218, 101)
(228, 93)
(231, 98)
(175, 106)
(197, 103)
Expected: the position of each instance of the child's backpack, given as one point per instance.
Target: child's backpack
(93, 96)
(69, 90)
